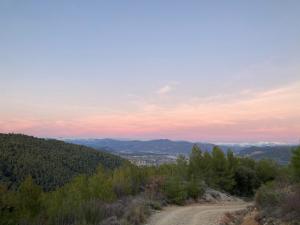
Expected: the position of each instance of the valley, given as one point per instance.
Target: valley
(157, 152)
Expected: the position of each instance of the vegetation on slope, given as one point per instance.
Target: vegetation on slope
(281, 153)
(126, 194)
(50, 163)
(280, 200)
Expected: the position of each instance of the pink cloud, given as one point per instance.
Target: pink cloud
(270, 115)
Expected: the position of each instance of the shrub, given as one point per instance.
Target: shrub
(126, 180)
(156, 205)
(137, 212)
(266, 170)
(245, 181)
(100, 186)
(291, 204)
(195, 188)
(7, 207)
(175, 190)
(111, 221)
(91, 212)
(29, 200)
(268, 196)
(154, 187)
(295, 163)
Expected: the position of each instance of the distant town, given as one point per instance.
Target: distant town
(149, 159)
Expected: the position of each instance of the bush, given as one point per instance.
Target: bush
(291, 204)
(280, 201)
(295, 163)
(195, 189)
(91, 212)
(268, 197)
(154, 187)
(127, 180)
(175, 190)
(137, 212)
(29, 200)
(266, 170)
(100, 186)
(245, 181)
(111, 221)
(7, 207)
(156, 205)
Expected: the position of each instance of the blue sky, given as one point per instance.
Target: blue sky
(64, 63)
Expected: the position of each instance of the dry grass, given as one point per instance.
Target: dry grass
(234, 218)
(250, 219)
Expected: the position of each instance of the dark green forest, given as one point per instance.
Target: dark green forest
(118, 192)
(50, 163)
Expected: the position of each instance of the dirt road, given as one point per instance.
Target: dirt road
(196, 214)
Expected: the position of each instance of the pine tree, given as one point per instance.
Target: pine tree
(223, 178)
(232, 160)
(181, 167)
(196, 163)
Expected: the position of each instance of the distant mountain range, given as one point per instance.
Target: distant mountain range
(161, 146)
(279, 152)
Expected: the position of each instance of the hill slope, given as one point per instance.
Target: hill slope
(159, 146)
(51, 163)
(281, 154)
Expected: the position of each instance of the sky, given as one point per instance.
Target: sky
(215, 71)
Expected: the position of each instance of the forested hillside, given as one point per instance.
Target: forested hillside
(281, 153)
(51, 163)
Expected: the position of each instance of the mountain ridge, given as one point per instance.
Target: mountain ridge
(277, 151)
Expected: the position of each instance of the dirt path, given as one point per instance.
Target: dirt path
(197, 214)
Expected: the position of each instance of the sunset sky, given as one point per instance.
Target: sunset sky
(215, 71)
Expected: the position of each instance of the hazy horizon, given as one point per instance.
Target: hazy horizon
(263, 142)
(181, 70)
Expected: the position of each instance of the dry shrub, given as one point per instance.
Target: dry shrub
(91, 212)
(111, 221)
(154, 187)
(156, 205)
(226, 219)
(291, 204)
(117, 208)
(234, 217)
(137, 212)
(279, 202)
(268, 196)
